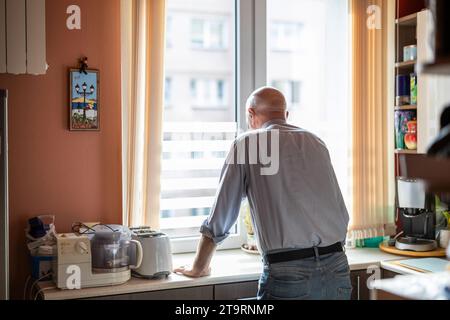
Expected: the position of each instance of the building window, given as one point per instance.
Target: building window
(291, 89)
(208, 93)
(208, 33)
(286, 36)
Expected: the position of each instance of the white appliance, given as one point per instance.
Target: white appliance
(157, 253)
(74, 266)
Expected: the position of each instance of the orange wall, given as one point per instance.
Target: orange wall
(74, 175)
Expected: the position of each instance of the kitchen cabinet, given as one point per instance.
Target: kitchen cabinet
(194, 293)
(359, 284)
(236, 291)
(4, 211)
(229, 291)
(386, 274)
(239, 290)
(22, 37)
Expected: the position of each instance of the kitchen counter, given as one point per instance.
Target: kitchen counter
(393, 266)
(228, 266)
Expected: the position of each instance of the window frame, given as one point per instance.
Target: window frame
(250, 36)
(251, 47)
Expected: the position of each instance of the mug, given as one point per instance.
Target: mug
(444, 238)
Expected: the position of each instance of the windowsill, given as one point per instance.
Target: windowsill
(228, 266)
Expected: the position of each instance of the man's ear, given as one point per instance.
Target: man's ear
(287, 115)
(251, 118)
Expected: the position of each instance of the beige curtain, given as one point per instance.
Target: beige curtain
(143, 24)
(372, 73)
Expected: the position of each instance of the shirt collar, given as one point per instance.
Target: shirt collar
(272, 122)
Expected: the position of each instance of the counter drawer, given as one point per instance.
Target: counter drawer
(236, 291)
(194, 293)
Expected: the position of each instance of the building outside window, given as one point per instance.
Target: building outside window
(291, 89)
(209, 33)
(208, 93)
(286, 35)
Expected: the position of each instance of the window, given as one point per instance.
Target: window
(209, 33)
(201, 123)
(286, 36)
(208, 93)
(302, 48)
(315, 79)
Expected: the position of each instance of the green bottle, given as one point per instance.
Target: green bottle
(413, 97)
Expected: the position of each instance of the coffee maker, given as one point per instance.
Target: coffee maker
(418, 216)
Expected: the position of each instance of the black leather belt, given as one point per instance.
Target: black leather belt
(303, 253)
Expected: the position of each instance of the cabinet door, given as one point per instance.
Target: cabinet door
(196, 293)
(36, 51)
(359, 284)
(4, 212)
(386, 274)
(2, 37)
(434, 94)
(236, 291)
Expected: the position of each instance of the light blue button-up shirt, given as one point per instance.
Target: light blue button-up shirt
(301, 206)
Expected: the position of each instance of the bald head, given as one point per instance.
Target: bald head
(266, 104)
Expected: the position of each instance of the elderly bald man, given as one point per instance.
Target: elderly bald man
(298, 213)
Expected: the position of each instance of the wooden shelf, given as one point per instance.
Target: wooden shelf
(433, 170)
(398, 151)
(407, 21)
(405, 64)
(440, 67)
(405, 108)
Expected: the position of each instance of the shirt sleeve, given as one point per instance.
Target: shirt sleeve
(227, 204)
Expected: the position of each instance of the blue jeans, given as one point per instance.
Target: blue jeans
(322, 278)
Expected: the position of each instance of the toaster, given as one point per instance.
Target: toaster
(156, 253)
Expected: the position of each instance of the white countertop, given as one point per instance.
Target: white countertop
(228, 266)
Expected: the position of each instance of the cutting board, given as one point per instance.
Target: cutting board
(438, 253)
(425, 265)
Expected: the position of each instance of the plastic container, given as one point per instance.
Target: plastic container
(410, 53)
(413, 87)
(374, 242)
(41, 266)
(403, 90)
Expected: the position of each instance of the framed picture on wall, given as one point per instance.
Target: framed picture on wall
(84, 100)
